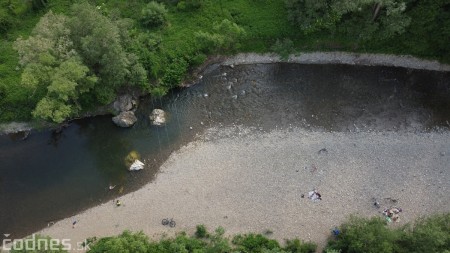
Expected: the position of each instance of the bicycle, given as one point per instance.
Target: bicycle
(170, 222)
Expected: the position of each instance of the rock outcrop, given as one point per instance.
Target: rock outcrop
(125, 119)
(158, 117)
(124, 103)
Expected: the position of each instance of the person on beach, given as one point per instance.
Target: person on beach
(118, 203)
(74, 223)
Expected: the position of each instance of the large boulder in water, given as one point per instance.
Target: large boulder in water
(124, 103)
(125, 119)
(158, 117)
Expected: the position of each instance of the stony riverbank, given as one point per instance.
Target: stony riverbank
(249, 181)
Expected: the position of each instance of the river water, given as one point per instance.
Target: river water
(50, 176)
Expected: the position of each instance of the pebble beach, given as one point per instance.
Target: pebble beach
(250, 181)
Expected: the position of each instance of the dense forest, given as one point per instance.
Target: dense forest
(61, 58)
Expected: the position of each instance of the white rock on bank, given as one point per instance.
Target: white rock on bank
(158, 117)
(137, 165)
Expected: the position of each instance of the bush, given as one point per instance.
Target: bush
(283, 48)
(226, 37)
(189, 5)
(297, 246)
(174, 73)
(365, 235)
(6, 21)
(430, 234)
(126, 242)
(154, 14)
(427, 235)
(254, 243)
(201, 231)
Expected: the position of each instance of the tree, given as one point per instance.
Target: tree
(154, 14)
(53, 70)
(365, 19)
(100, 43)
(68, 82)
(76, 62)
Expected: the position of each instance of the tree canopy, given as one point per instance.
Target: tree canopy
(70, 61)
(365, 19)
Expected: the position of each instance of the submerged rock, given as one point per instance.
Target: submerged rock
(125, 119)
(158, 117)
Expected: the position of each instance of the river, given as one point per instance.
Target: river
(49, 176)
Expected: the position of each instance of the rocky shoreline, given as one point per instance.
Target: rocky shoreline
(303, 58)
(341, 58)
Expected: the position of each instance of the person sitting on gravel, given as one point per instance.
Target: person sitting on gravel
(314, 195)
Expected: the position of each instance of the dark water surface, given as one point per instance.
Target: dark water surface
(49, 176)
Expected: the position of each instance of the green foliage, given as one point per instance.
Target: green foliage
(175, 72)
(254, 243)
(38, 244)
(69, 60)
(283, 48)
(430, 234)
(311, 15)
(297, 246)
(365, 235)
(189, 5)
(362, 19)
(226, 37)
(100, 43)
(52, 64)
(201, 231)
(127, 242)
(154, 14)
(427, 235)
(6, 21)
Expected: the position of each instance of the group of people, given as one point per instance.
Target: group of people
(392, 214)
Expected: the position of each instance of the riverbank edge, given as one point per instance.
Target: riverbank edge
(346, 58)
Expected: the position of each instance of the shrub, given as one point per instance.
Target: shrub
(201, 231)
(174, 73)
(154, 14)
(297, 246)
(189, 5)
(254, 243)
(226, 37)
(283, 48)
(427, 235)
(365, 235)
(126, 242)
(6, 21)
